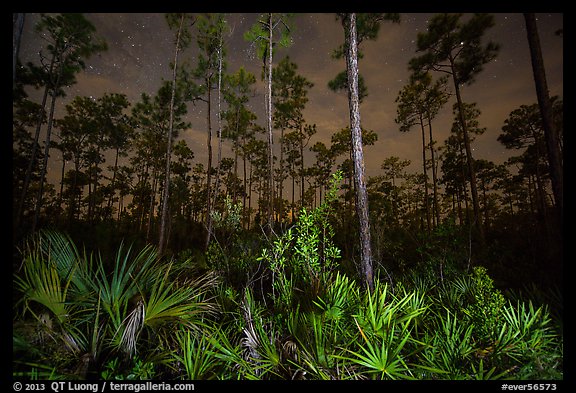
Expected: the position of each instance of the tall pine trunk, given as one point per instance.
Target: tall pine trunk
(245, 181)
(269, 120)
(426, 202)
(357, 152)
(434, 176)
(219, 159)
(469, 159)
(54, 88)
(550, 132)
(166, 194)
(209, 173)
(35, 146)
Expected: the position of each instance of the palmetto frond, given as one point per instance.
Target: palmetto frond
(260, 345)
(198, 357)
(163, 303)
(40, 283)
(132, 325)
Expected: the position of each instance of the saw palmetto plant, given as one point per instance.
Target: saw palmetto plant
(137, 316)
(95, 313)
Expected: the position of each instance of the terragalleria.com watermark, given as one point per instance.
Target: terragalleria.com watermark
(100, 387)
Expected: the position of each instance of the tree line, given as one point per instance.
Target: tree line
(153, 188)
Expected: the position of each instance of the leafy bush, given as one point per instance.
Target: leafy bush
(298, 257)
(485, 310)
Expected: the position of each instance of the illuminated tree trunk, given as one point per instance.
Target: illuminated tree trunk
(269, 120)
(357, 152)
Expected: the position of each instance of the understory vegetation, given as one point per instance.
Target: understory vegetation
(282, 307)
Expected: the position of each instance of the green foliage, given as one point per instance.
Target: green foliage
(40, 283)
(447, 35)
(259, 33)
(197, 357)
(138, 371)
(486, 308)
(448, 348)
(84, 312)
(232, 254)
(460, 327)
(303, 253)
(530, 340)
(445, 250)
(259, 338)
(385, 324)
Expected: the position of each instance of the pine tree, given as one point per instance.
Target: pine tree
(455, 48)
(357, 152)
(262, 34)
(183, 37)
(418, 104)
(71, 40)
(544, 102)
(357, 29)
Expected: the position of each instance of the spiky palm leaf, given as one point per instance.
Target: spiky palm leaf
(448, 348)
(381, 356)
(261, 349)
(197, 356)
(385, 323)
(230, 353)
(163, 304)
(40, 283)
(118, 289)
(69, 262)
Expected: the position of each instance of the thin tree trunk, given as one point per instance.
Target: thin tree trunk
(73, 203)
(459, 203)
(90, 193)
(236, 142)
(302, 163)
(151, 205)
(35, 146)
(293, 194)
(485, 203)
(281, 177)
(434, 176)
(166, 193)
(426, 203)
(250, 198)
(357, 153)
(113, 181)
(270, 136)
(469, 159)
(217, 185)
(45, 163)
(120, 207)
(54, 87)
(540, 192)
(209, 174)
(245, 180)
(62, 174)
(550, 132)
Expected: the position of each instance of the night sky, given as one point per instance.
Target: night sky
(141, 47)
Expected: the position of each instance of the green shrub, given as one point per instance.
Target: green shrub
(485, 309)
(298, 257)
